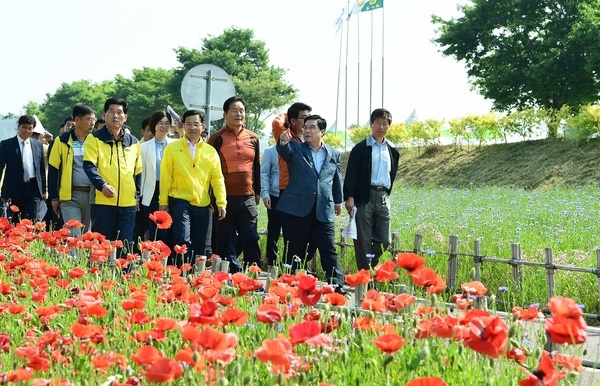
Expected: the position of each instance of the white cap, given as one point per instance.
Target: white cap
(39, 129)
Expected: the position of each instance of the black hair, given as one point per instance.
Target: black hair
(116, 101)
(81, 110)
(27, 120)
(321, 122)
(156, 117)
(231, 100)
(145, 123)
(381, 113)
(294, 110)
(189, 113)
(67, 119)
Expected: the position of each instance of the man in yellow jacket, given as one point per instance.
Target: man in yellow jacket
(113, 163)
(69, 187)
(189, 168)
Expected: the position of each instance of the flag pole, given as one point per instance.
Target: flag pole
(371, 70)
(346, 83)
(358, 69)
(337, 95)
(382, 55)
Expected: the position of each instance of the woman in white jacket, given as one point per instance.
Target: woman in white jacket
(152, 153)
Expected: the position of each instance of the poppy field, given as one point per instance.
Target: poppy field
(71, 318)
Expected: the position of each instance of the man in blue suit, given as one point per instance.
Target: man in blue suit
(22, 161)
(313, 197)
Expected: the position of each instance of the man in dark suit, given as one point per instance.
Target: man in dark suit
(313, 197)
(22, 161)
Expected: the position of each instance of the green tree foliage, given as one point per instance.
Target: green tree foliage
(334, 140)
(398, 133)
(145, 92)
(585, 124)
(246, 60)
(524, 123)
(425, 133)
(34, 108)
(59, 105)
(527, 53)
(358, 133)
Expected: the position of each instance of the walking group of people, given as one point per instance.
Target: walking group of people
(102, 177)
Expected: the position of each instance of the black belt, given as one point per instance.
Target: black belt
(80, 188)
(378, 188)
(30, 181)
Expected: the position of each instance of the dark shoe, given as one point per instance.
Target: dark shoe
(340, 290)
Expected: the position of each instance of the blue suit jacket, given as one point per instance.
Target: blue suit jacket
(11, 162)
(306, 186)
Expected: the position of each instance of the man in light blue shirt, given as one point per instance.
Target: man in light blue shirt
(269, 182)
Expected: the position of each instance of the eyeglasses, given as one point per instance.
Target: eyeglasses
(90, 120)
(164, 124)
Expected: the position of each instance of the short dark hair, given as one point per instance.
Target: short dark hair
(145, 123)
(294, 110)
(231, 100)
(81, 110)
(67, 119)
(156, 117)
(100, 121)
(116, 101)
(321, 122)
(27, 120)
(381, 113)
(189, 113)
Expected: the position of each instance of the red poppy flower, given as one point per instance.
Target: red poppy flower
(163, 370)
(335, 299)
(73, 224)
(399, 302)
(488, 335)
(279, 352)
(75, 273)
(566, 307)
(146, 355)
(568, 362)
(162, 219)
(307, 282)
(308, 332)
(427, 278)
(269, 313)
(544, 375)
(443, 327)
(389, 343)
(166, 324)
(203, 313)
(530, 313)
(426, 381)
(409, 261)
(4, 342)
(361, 277)
(386, 272)
(563, 330)
(180, 249)
(235, 316)
(474, 288)
(517, 354)
(14, 209)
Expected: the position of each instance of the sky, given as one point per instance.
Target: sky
(45, 43)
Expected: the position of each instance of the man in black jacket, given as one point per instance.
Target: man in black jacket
(370, 175)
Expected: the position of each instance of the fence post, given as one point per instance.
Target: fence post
(395, 245)
(598, 266)
(477, 260)
(342, 247)
(549, 272)
(516, 267)
(549, 346)
(452, 262)
(418, 244)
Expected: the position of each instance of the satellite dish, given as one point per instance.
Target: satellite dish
(206, 87)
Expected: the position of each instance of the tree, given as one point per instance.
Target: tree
(145, 92)
(247, 62)
(59, 105)
(527, 53)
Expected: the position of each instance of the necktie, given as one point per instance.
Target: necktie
(27, 161)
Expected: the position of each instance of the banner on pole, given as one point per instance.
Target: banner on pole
(369, 5)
